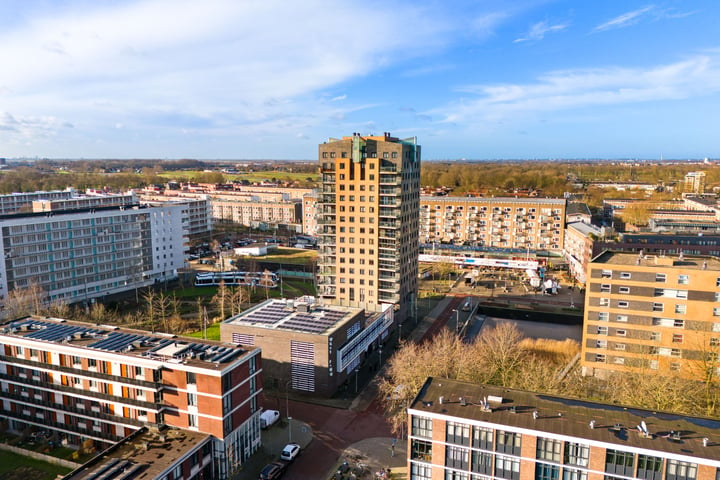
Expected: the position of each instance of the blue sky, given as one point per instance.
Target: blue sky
(264, 79)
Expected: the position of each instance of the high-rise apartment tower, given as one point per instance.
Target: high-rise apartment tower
(368, 212)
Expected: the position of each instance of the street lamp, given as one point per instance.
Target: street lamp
(357, 372)
(287, 409)
(457, 320)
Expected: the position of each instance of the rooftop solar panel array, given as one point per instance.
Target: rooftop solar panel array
(111, 341)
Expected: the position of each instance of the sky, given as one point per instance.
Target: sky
(266, 79)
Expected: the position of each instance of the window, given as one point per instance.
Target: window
(482, 438)
(623, 304)
(618, 462)
(674, 367)
(192, 421)
(548, 449)
(508, 442)
(660, 277)
(600, 358)
(422, 427)
(683, 279)
(658, 307)
(603, 316)
(604, 302)
(619, 346)
(544, 471)
(621, 333)
(677, 470)
(507, 467)
(573, 474)
(576, 454)
(458, 433)
(481, 462)
(621, 318)
(605, 288)
(649, 468)
(624, 290)
(625, 275)
(192, 399)
(421, 450)
(419, 471)
(682, 294)
(190, 378)
(716, 311)
(619, 360)
(606, 274)
(602, 330)
(680, 309)
(457, 457)
(677, 338)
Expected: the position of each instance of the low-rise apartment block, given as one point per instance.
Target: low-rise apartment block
(651, 313)
(464, 431)
(84, 382)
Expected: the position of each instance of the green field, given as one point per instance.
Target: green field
(17, 467)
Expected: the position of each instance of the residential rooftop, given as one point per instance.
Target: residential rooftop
(300, 315)
(611, 424)
(128, 342)
(142, 455)
(660, 261)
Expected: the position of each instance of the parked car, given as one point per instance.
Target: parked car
(272, 471)
(268, 417)
(290, 451)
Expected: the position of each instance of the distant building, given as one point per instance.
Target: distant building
(578, 247)
(77, 249)
(461, 430)
(578, 212)
(695, 182)
(495, 222)
(81, 382)
(651, 313)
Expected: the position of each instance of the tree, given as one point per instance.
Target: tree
(221, 299)
(25, 301)
(149, 297)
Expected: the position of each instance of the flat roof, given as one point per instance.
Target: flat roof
(613, 424)
(144, 454)
(661, 261)
(305, 316)
(128, 342)
(450, 199)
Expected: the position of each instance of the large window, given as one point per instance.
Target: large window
(422, 427)
(421, 450)
(677, 470)
(482, 438)
(420, 472)
(576, 454)
(481, 462)
(507, 467)
(458, 433)
(649, 468)
(452, 475)
(573, 474)
(549, 450)
(457, 457)
(619, 462)
(508, 442)
(543, 471)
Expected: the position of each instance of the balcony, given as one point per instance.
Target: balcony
(390, 180)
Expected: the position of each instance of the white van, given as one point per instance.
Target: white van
(268, 417)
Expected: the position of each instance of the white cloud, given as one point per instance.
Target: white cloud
(210, 65)
(624, 20)
(338, 98)
(537, 31)
(559, 91)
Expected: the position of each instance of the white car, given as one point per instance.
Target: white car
(290, 451)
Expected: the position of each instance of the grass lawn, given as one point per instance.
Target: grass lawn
(213, 332)
(293, 256)
(17, 467)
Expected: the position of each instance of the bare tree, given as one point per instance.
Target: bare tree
(25, 301)
(149, 297)
(221, 299)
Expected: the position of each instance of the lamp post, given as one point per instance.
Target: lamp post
(287, 409)
(457, 320)
(357, 372)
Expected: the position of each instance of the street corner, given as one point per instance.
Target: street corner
(378, 457)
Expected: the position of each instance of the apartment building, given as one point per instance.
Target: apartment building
(77, 255)
(580, 237)
(495, 222)
(21, 202)
(81, 382)
(199, 213)
(254, 213)
(310, 214)
(368, 217)
(695, 182)
(651, 313)
(464, 431)
(309, 347)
